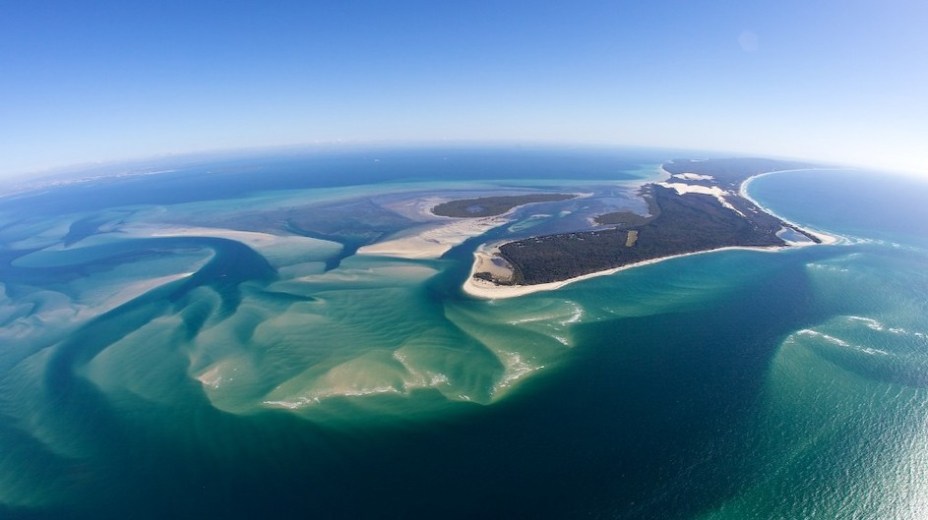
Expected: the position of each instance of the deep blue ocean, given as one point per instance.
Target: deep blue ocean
(154, 363)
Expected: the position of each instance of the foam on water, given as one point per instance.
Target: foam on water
(840, 428)
(825, 424)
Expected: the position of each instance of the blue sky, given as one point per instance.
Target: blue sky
(102, 81)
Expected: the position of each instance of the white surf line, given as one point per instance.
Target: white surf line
(826, 239)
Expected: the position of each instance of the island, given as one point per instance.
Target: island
(458, 220)
(701, 206)
(493, 206)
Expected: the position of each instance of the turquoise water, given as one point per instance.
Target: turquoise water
(278, 372)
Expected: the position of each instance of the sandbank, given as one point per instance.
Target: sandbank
(252, 239)
(136, 289)
(435, 241)
(439, 239)
(418, 209)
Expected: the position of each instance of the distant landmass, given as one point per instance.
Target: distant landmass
(700, 207)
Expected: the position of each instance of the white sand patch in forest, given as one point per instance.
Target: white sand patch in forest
(693, 177)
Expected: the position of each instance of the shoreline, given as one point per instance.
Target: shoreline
(487, 290)
(490, 291)
(826, 239)
(443, 232)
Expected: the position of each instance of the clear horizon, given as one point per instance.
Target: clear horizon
(109, 82)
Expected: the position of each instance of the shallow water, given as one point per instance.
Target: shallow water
(236, 375)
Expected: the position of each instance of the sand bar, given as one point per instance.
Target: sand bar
(439, 239)
(254, 239)
(435, 241)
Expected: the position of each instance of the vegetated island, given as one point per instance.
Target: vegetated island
(493, 206)
(701, 207)
(469, 218)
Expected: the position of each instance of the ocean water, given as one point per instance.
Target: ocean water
(207, 342)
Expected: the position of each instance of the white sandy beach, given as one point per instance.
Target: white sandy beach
(488, 290)
(825, 238)
(439, 239)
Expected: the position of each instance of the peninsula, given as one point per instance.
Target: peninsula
(700, 207)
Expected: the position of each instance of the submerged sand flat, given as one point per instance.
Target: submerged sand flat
(435, 241)
(314, 332)
(250, 238)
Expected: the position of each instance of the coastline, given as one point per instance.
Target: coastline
(437, 240)
(826, 239)
(489, 291)
(484, 289)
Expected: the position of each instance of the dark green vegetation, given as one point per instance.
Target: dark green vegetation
(492, 206)
(623, 219)
(678, 224)
(730, 174)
